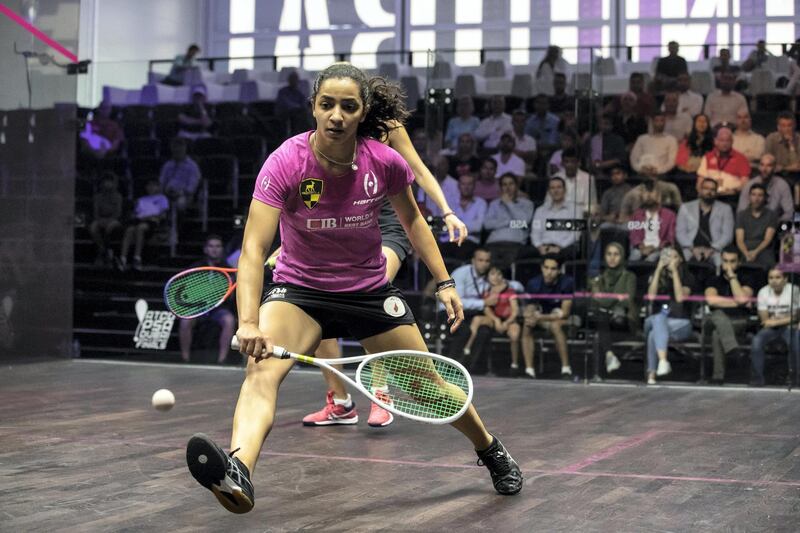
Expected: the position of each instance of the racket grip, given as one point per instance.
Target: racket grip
(278, 351)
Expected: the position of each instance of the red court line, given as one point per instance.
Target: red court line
(611, 451)
(727, 434)
(654, 477)
(369, 460)
(39, 34)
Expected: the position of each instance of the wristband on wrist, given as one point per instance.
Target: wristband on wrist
(449, 213)
(446, 284)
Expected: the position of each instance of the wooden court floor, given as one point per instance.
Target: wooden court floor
(82, 450)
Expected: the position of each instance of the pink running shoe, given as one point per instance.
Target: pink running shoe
(378, 416)
(332, 414)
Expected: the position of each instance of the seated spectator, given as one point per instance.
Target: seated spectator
(463, 122)
(196, 122)
(447, 183)
(628, 123)
(493, 126)
(645, 104)
(180, 176)
(755, 229)
(214, 256)
(705, 226)
(548, 313)
(689, 102)
(692, 149)
(729, 168)
(543, 125)
(784, 144)
(614, 302)
(669, 318)
(557, 242)
(745, 140)
(669, 68)
(728, 297)
(560, 101)
(778, 311)
(668, 192)
(722, 104)
(654, 154)
(610, 214)
(605, 150)
(568, 140)
(107, 206)
(581, 193)
(472, 287)
(180, 65)
(102, 136)
(524, 144)
(464, 160)
(471, 210)
(291, 106)
(652, 227)
(722, 65)
(757, 58)
(779, 195)
(507, 161)
(679, 125)
(150, 212)
(508, 221)
(486, 186)
(501, 316)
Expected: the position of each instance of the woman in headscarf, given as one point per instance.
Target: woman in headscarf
(614, 301)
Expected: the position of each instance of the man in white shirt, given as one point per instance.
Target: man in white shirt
(689, 102)
(549, 241)
(507, 161)
(581, 193)
(448, 184)
(494, 125)
(677, 124)
(778, 311)
(525, 145)
(654, 153)
(723, 104)
(745, 140)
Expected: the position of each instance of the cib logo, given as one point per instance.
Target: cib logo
(320, 223)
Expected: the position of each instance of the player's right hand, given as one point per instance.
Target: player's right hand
(253, 343)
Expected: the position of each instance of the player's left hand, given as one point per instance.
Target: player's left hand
(454, 225)
(452, 306)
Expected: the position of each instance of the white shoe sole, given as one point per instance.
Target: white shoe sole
(336, 422)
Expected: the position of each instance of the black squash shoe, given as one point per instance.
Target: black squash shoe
(506, 475)
(224, 475)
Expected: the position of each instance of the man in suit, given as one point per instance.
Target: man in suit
(705, 226)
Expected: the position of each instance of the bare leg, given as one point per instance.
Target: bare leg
(527, 346)
(141, 230)
(513, 335)
(557, 330)
(474, 326)
(329, 349)
(126, 242)
(228, 328)
(185, 337)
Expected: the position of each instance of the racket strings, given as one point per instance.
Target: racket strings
(419, 386)
(196, 292)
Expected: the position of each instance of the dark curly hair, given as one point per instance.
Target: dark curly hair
(384, 100)
(700, 145)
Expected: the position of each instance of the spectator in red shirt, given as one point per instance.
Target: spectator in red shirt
(729, 168)
(652, 227)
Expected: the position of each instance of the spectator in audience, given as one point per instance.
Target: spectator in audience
(628, 123)
(669, 318)
(705, 226)
(755, 229)
(508, 221)
(561, 102)
(679, 125)
(757, 58)
(745, 140)
(543, 125)
(784, 144)
(501, 317)
(291, 106)
(605, 150)
(581, 193)
(149, 213)
(728, 296)
(448, 184)
(548, 313)
(214, 256)
(652, 227)
(554, 241)
(722, 65)
(568, 140)
(689, 101)
(464, 160)
(196, 122)
(645, 103)
(722, 104)
(551, 63)
(180, 176)
(729, 168)
(493, 126)
(102, 136)
(181, 64)
(610, 214)
(472, 286)
(471, 210)
(654, 153)
(779, 195)
(668, 192)
(668, 68)
(486, 186)
(692, 149)
(778, 311)
(463, 122)
(507, 160)
(614, 302)
(107, 206)
(524, 144)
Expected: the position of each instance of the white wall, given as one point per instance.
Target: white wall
(121, 36)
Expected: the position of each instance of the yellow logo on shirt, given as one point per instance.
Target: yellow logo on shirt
(311, 191)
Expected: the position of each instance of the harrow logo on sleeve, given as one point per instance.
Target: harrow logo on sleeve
(370, 184)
